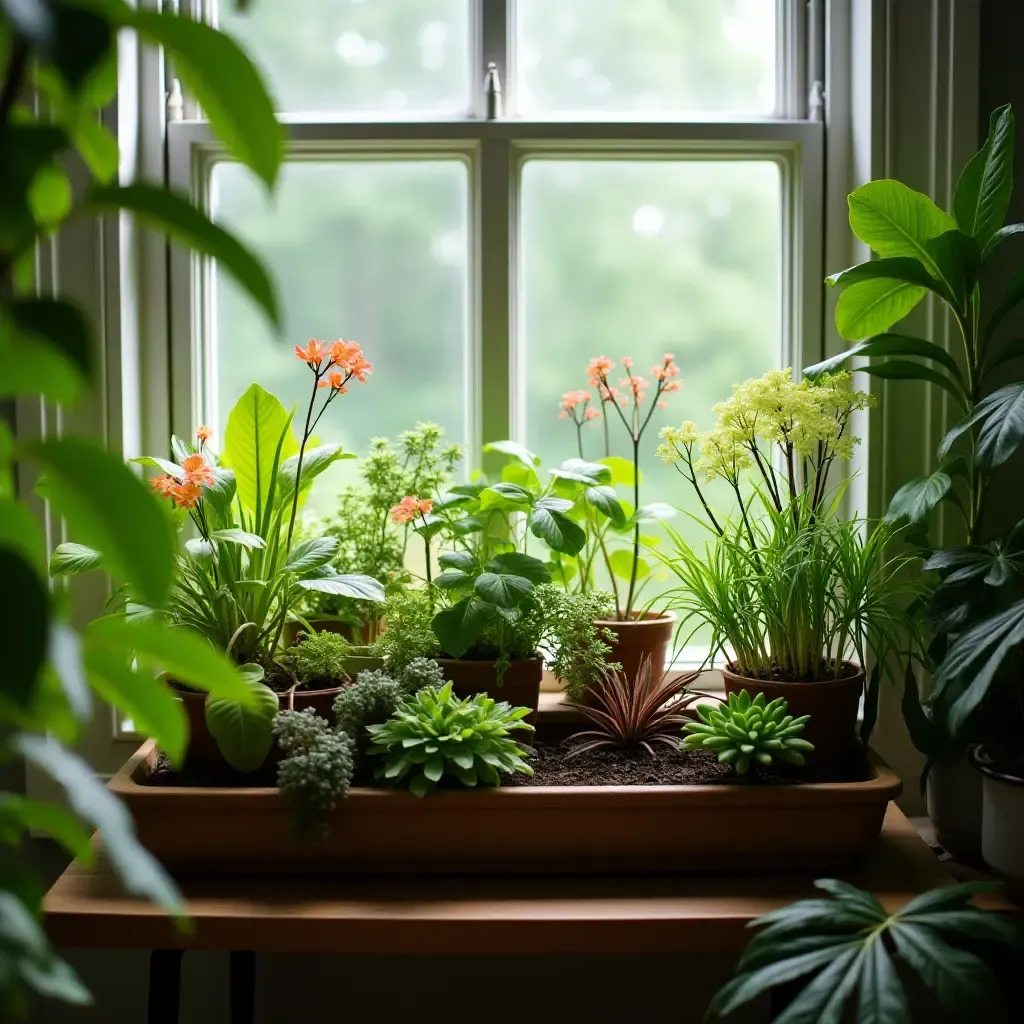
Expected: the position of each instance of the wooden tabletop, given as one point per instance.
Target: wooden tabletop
(460, 915)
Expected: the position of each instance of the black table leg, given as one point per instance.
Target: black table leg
(243, 986)
(164, 986)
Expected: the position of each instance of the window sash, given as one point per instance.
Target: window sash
(495, 153)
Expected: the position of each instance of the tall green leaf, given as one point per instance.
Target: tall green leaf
(255, 426)
(501, 589)
(173, 214)
(982, 194)
(888, 345)
(1001, 415)
(1012, 297)
(314, 462)
(872, 307)
(904, 369)
(109, 507)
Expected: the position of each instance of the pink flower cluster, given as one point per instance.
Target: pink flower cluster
(410, 508)
(344, 360)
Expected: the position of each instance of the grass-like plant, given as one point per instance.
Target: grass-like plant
(852, 945)
(743, 732)
(635, 712)
(434, 734)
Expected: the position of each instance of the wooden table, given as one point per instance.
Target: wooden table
(703, 913)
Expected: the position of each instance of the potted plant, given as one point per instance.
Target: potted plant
(975, 605)
(639, 632)
(796, 598)
(369, 542)
(493, 610)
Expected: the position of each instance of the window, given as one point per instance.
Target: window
(649, 187)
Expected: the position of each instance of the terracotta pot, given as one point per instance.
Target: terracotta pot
(517, 830)
(1002, 819)
(202, 747)
(638, 638)
(361, 662)
(520, 685)
(954, 795)
(832, 705)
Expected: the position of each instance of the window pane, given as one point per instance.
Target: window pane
(642, 258)
(646, 58)
(371, 252)
(387, 57)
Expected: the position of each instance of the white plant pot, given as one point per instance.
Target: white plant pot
(1002, 833)
(954, 805)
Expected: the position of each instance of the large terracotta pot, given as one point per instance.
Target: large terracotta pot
(1002, 819)
(954, 796)
(832, 704)
(520, 685)
(202, 747)
(649, 635)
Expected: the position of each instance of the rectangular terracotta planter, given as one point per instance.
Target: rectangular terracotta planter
(564, 829)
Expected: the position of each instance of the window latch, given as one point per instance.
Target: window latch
(492, 93)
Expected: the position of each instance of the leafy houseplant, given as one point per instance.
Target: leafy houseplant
(434, 734)
(852, 945)
(54, 673)
(975, 608)
(744, 732)
(787, 588)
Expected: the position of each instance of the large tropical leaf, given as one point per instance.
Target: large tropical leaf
(843, 946)
(872, 307)
(457, 628)
(1001, 415)
(244, 733)
(887, 345)
(556, 529)
(256, 427)
(314, 462)
(982, 194)
(515, 563)
(354, 585)
(905, 369)
(916, 499)
(1012, 297)
(501, 589)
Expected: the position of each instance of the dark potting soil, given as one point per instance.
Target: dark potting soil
(555, 764)
(825, 671)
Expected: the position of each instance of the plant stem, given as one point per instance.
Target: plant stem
(302, 451)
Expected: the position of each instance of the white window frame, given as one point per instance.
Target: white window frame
(495, 152)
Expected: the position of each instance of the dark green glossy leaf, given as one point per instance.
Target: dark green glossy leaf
(515, 563)
(1001, 415)
(557, 530)
(904, 369)
(606, 502)
(355, 585)
(175, 215)
(453, 579)
(999, 236)
(502, 590)
(459, 627)
(456, 560)
(881, 994)
(1012, 297)
(958, 257)
(916, 499)
(310, 554)
(107, 505)
(244, 733)
(982, 194)
(887, 345)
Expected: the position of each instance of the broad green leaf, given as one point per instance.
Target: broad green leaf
(982, 194)
(201, 551)
(605, 501)
(459, 627)
(823, 1000)
(905, 369)
(251, 541)
(156, 712)
(70, 559)
(217, 72)
(244, 733)
(362, 588)
(581, 471)
(947, 898)
(916, 499)
(623, 471)
(111, 508)
(24, 625)
(554, 503)
(185, 655)
(164, 465)
(557, 530)
(891, 268)
(66, 661)
(894, 220)
(175, 215)
(524, 476)
(872, 307)
(505, 494)
(452, 579)
(1001, 415)
(139, 872)
(515, 450)
(255, 426)
(314, 462)
(887, 345)
(502, 590)
(19, 814)
(958, 258)
(620, 561)
(456, 560)
(515, 563)
(310, 554)
(998, 236)
(221, 493)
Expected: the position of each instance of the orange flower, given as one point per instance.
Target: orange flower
(410, 508)
(336, 381)
(573, 398)
(197, 470)
(592, 414)
(314, 353)
(627, 362)
(164, 485)
(204, 433)
(348, 355)
(598, 370)
(186, 494)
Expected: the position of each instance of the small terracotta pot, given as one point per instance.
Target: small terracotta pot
(202, 747)
(520, 685)
(638, 638)
(832, 705)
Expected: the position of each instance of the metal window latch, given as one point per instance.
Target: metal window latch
(175, 102)
(492, 92)
(816, 102)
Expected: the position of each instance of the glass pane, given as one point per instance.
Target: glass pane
(639, 259)
(387, 57)
(646, 58)
(371, 252)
